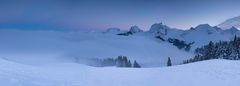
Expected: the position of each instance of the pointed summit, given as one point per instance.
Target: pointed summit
(135, 29)
(159, 28)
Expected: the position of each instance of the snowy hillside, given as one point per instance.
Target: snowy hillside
(203, 34)
(205, 73)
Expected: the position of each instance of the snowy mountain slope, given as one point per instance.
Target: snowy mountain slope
(46, 47)
(202, 35)
(232, 22)
(231, 31)
(205, 73)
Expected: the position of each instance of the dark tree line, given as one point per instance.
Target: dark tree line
(159, 37)
(125, 34)
(180, 44)
(120, 61)
(136, 65)
(220, 50)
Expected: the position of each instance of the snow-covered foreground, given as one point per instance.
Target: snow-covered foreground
(205, 73)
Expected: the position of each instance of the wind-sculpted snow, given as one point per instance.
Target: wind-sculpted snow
(205, 73)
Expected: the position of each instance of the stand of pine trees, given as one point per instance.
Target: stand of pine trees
(136, 65)
(120, 61)
(220, 50)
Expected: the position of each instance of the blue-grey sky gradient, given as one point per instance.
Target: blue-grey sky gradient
(103, 14)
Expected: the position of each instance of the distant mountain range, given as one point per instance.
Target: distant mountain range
(200, 35)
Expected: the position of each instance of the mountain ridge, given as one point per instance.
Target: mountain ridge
(232, 22)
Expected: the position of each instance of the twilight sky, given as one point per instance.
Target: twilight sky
(102, 14)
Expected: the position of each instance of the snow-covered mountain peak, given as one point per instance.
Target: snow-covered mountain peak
(206, 28)
(203, 26)
(230, 23)
(135, 29)
(159, 28)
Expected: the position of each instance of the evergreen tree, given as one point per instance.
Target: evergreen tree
(129, 63)
(119, 61)
(124, 61)
(108, 62)
(136, 65)
(210, 51)
(188, 47)
(169, 63)
(235, 39)
(219, 50)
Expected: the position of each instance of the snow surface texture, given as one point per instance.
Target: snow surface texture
(205, 73)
